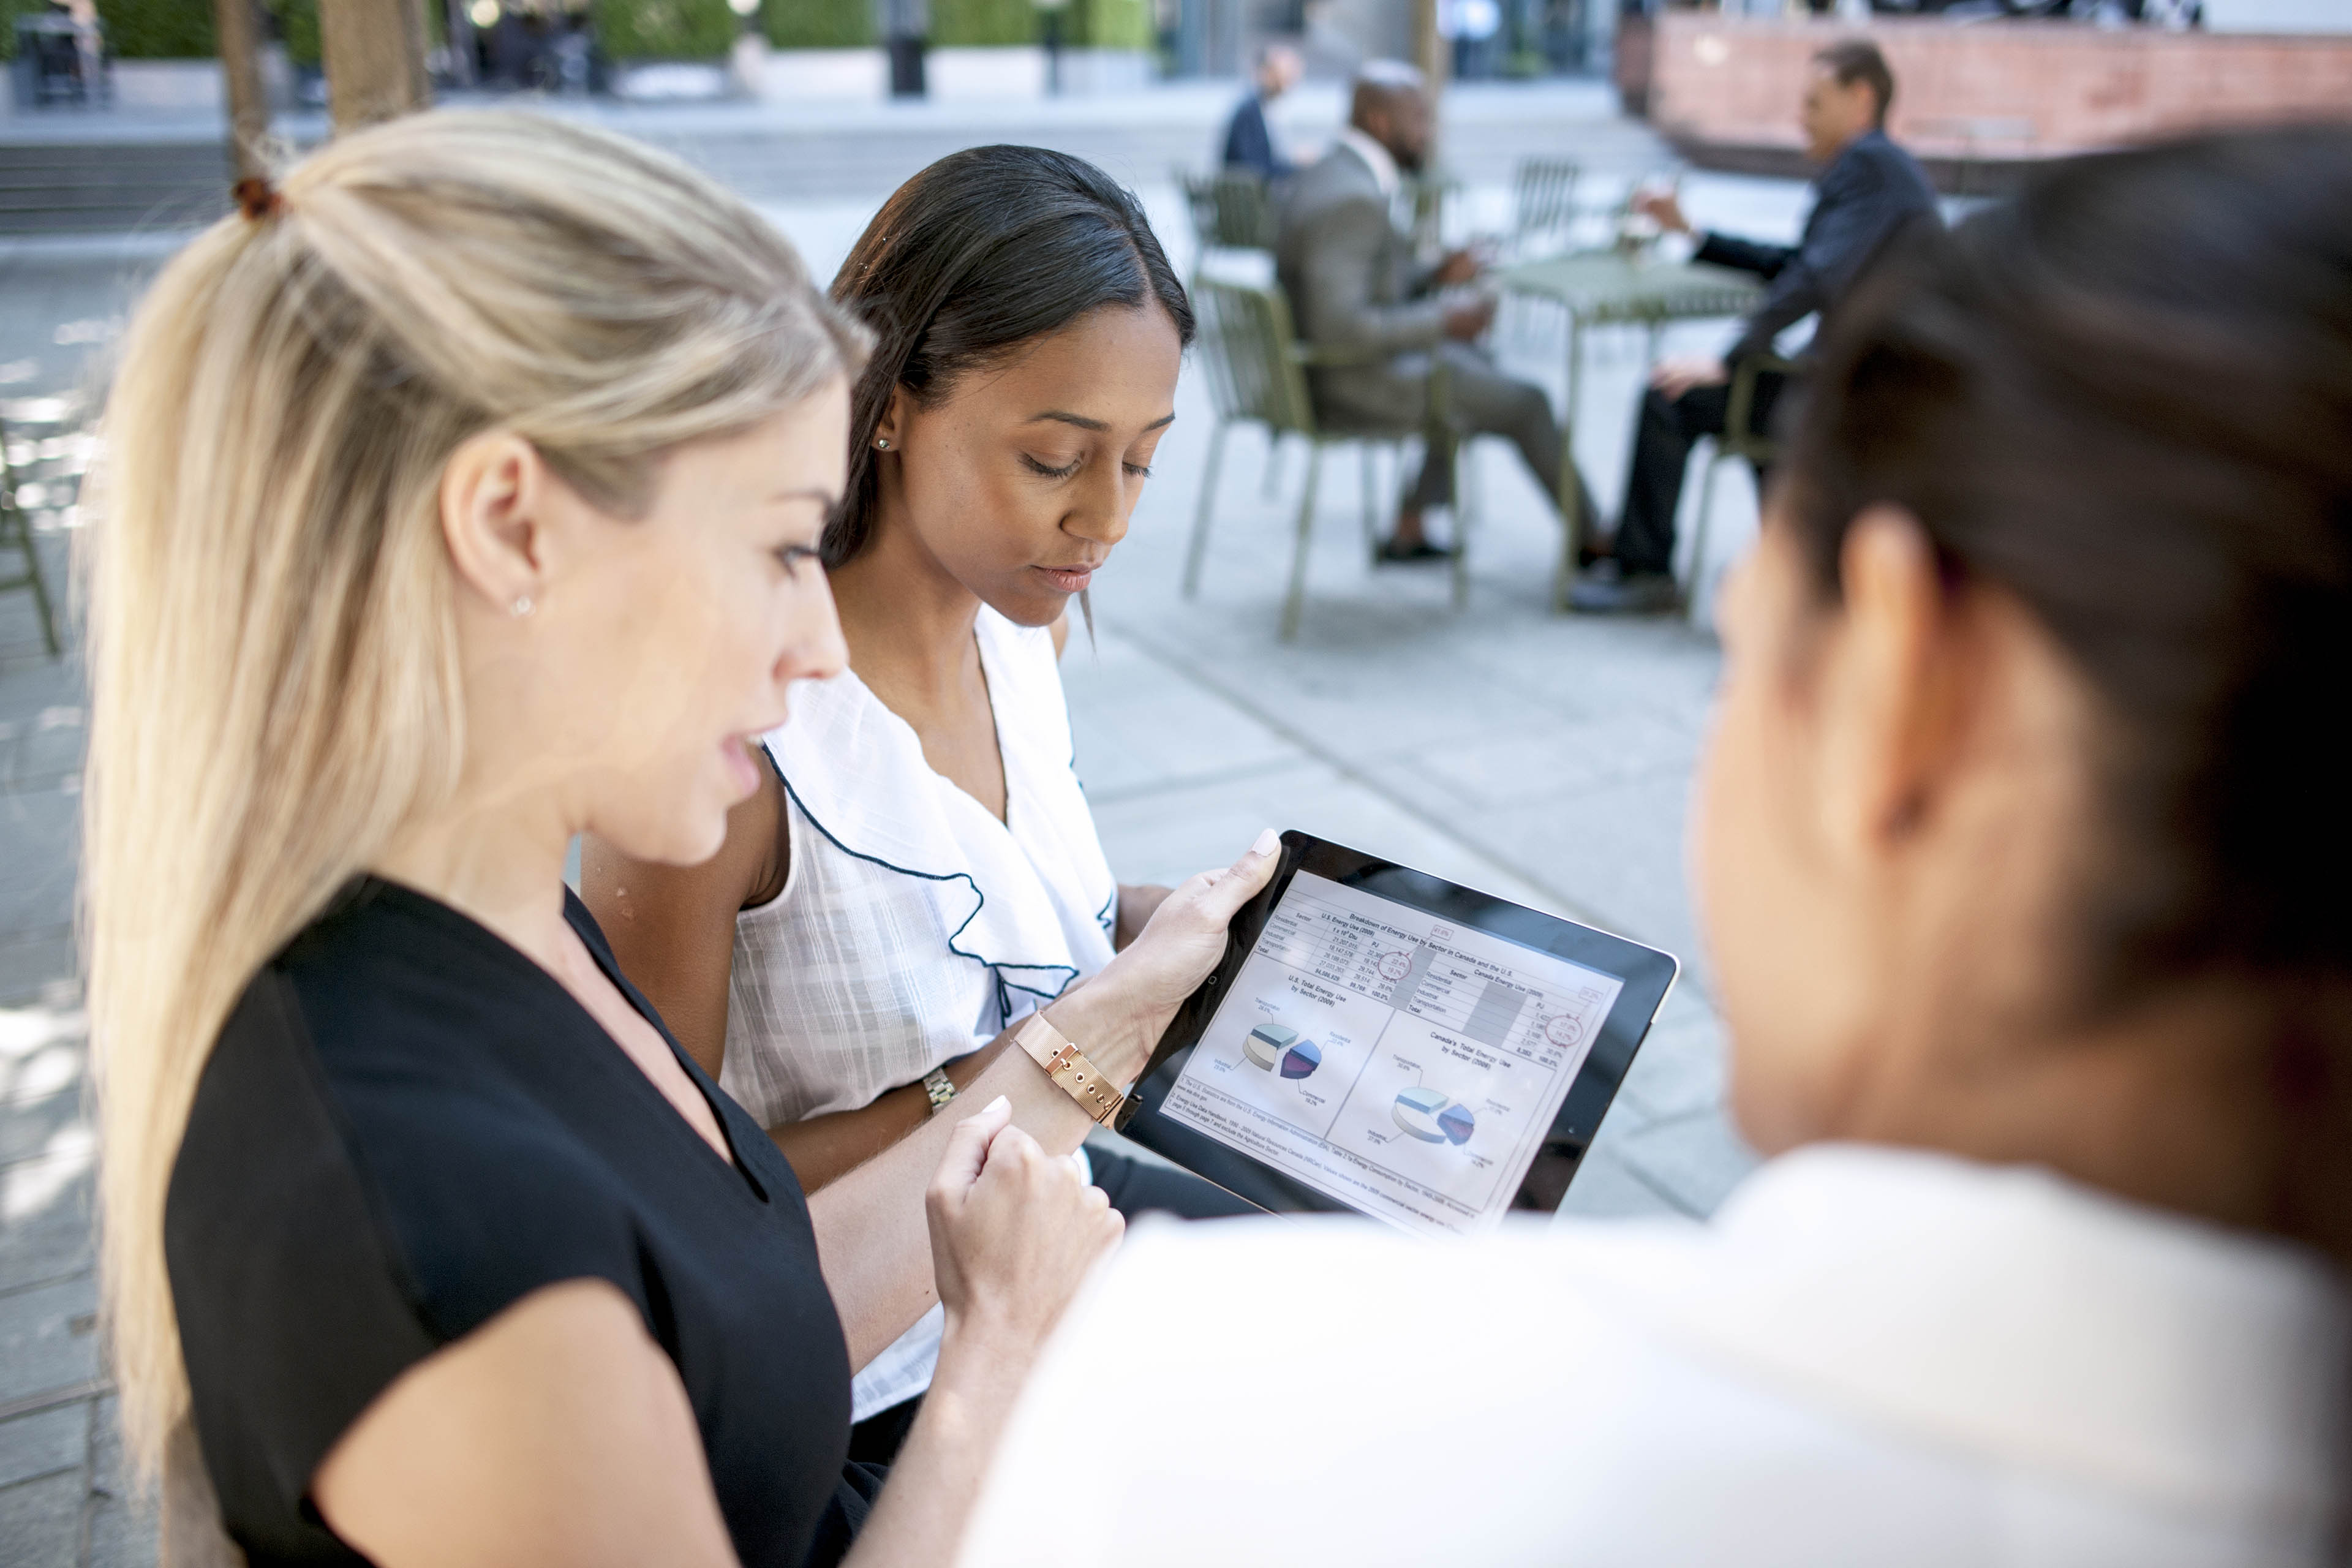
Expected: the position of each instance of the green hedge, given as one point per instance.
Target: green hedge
(298, 24)
(959, 24)
(818, 24)
(664, 29)
(976, 24)
(157, 29)
(1112, 23)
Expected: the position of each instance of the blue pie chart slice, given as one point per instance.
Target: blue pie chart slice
(1434, 1117)
(1301, 1059)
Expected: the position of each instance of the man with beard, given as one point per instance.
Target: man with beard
(1357, 289)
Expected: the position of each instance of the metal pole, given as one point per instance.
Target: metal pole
(375, 52)
(238, 31)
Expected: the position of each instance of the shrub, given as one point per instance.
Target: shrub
(298, 25)
(818, 24)
(1112, 23)
(974, 23)
(157, 30)
(664, 29)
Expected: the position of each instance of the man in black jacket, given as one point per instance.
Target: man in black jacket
(1867, 190)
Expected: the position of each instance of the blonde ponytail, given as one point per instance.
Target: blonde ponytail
(275, 679)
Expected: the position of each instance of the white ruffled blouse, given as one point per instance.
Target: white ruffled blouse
(913, 926)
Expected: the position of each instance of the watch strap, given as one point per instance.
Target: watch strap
(940, 1087)
(1071, 1072)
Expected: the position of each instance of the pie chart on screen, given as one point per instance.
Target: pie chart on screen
(1267, 1043)
(1301, 1059)
(1434, 1117)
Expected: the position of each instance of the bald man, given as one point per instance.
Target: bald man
(1354, 286)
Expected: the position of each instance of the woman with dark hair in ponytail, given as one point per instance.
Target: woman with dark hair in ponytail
(919, 870)
(2022, 853)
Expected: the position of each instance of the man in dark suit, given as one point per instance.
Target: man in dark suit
(1355, 287)
(1248, 143)
(1868, 189)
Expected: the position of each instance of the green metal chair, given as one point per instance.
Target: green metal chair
(1543, 204)
(1740, 439)
(1257, 374)
(1231, 210)
(17, 534)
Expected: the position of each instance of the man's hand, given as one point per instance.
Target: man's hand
(1459, 266)
(1662, 208)
(1676, 376)
(1465, 320)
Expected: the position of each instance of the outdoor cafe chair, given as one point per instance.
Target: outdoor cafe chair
(1257, 374)
(1231, 210)
(1740, 439)
(1543, 204)
(16, 536)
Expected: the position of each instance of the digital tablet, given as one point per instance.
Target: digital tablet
(1384, 1041)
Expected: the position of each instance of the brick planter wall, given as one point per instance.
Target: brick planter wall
(1988, 93)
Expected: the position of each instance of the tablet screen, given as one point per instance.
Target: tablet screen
(1399, 1063)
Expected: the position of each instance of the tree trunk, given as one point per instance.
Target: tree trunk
(238, 26)
(375, 53)
(1431, 51)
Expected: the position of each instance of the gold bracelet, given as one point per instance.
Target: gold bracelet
(1068, 1068)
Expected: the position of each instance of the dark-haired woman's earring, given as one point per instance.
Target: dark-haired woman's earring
(881, 443)
(521, 607)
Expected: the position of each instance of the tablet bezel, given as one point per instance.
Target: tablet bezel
(1648, 976)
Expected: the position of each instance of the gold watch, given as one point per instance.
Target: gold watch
(1068, 1068)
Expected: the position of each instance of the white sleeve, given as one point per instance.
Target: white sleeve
(1286, 1392)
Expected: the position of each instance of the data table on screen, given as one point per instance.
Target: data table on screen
(1389, 1060)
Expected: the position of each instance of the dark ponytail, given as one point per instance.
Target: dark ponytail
(983, 252)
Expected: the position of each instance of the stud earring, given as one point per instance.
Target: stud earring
(881, 443)
(521, 607)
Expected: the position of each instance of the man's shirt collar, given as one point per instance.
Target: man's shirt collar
(1376, 158)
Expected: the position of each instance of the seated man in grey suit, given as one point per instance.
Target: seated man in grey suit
(1354, 286)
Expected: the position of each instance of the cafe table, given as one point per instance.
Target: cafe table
(1607, 288)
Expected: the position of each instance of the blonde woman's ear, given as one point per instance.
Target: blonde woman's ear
(494, 492)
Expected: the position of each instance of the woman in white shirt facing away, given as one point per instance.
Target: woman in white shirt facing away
(2023, 848)
(919, 869)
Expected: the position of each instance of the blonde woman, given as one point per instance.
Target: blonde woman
(464, 497)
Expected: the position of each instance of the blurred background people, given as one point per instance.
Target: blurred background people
(1867, 191)
(1249, 140)
(2020, 849)
(1361, 299)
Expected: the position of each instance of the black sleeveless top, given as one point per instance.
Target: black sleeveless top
(407, 1126)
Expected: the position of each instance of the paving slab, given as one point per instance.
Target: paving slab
(40, 1521)
(45, 1224)
(48, 1338)
(44, 1443)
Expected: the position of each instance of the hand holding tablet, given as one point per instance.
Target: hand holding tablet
(1380, 1040)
